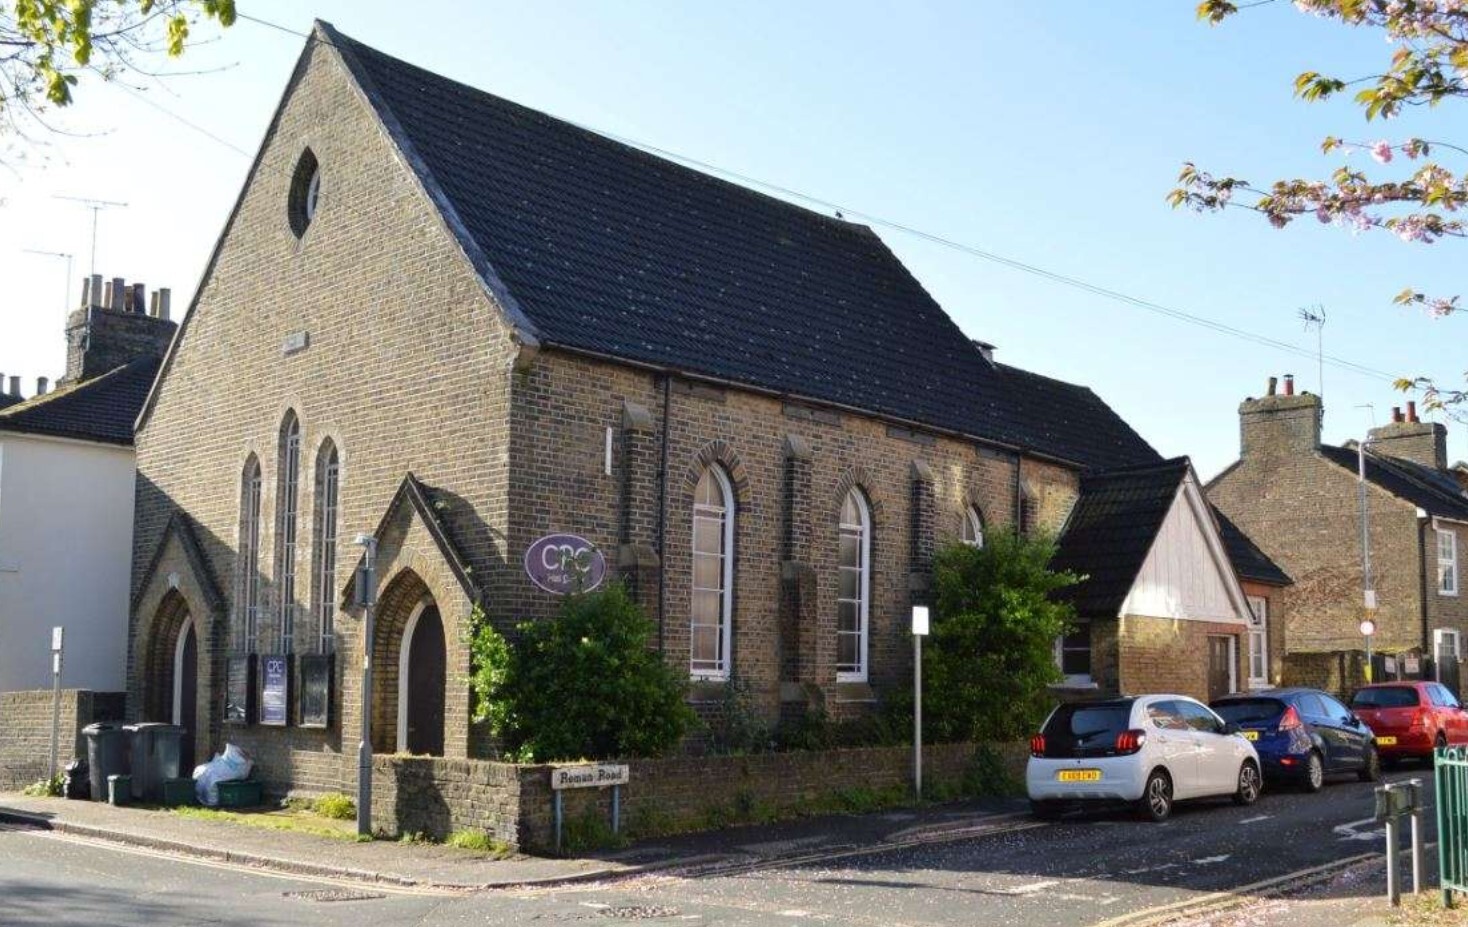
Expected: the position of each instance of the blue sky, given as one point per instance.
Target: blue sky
(1047, 133)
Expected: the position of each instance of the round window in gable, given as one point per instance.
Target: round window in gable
(305, 190)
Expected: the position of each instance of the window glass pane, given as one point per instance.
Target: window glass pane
(708, 571)
(707, 608)
(706, 646)
(846, 652)
(1166, 716)
(850, 583)
(850, 550)
(850, 511)
(1076, 662)
(847, 617)
(1310, 706)
(708, 535)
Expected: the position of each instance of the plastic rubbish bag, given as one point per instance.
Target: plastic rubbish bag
(228, 766)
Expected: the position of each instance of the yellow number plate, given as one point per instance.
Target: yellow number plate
(1079, 775)
(1251, 735)
(1386, 741)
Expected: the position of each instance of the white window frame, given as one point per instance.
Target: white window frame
(724, 654)
(251, 491)
(1076, 679)
(972, 530)
(863, 586)
(1447, 562)
(1258, 640)
(328, 505)
(288, 531)
(1441, 634)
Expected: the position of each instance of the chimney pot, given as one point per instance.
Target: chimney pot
(40, 386)
(1396, 414)
(1289, 379)
(15, 386)
(115, 301)
(97, 301)
(164, 296)
(1412, 412)
(1273, 385)
(140, 298)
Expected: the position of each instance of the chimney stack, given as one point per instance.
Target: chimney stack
(40, 386)
(1280, 424)
(1410, 438)
(114, 327)
(1289, 384)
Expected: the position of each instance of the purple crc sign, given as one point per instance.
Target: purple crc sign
(565, 563)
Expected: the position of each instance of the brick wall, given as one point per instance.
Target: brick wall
(1171, 655)
(25, 730)
(514, 803)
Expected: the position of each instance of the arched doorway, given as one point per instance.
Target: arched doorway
(186, 688)
(422, 664)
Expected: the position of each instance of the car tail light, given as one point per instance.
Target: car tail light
(1130, 741)
(1037, 745)
(1290, 721)
(1419, 719)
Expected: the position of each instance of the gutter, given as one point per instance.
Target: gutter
(1015, 449)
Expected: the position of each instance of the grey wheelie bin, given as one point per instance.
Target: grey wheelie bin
(156, 756)
(107, 745)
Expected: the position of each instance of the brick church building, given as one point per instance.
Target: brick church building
(460, 325)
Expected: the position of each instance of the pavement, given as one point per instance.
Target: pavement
(437, 866)
(1296, 859)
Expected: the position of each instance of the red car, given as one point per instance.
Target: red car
(1411, 719)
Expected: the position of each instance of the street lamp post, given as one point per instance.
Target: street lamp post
(1368, 586)
(366, 589)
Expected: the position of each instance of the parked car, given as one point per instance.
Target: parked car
(1303, 735)
(1411, 719)
(1149, 751)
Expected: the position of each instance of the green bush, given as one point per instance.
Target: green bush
(585, 684)
(45, 788)
(335, 805)
(990, 656)
(480, 842)
(738, 727)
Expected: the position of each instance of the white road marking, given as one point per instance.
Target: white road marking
(1256, 820)
(1210, 860)
(1029, 889)
(793, 912)
(1149, 869)
(1349, 832)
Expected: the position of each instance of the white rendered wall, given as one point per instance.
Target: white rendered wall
(66, 518)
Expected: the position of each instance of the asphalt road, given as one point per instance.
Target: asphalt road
(1085, 870)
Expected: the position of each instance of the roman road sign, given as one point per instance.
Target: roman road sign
(565, 563)
(589, 776)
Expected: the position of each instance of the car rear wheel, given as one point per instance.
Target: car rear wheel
(1314, 772)
(1046, 810)
(1371, 769)
(1156, 802)
(1250, 785)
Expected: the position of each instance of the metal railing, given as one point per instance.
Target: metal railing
(1450, 771)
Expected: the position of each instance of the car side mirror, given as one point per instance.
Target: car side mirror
(1230, 728)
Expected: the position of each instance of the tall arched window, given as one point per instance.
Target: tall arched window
(285, 537)
(328, 475)
(713, 575)
(247, 567)
(855, 588)
(972, 531)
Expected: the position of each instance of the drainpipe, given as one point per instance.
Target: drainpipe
(1019, 499)
(663, 516)
(1422, 521)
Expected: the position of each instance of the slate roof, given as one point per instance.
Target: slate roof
(101, 409)
(1111, 530)
(604, 248)
(1249, 561)
(1434, 491)
(7, 400)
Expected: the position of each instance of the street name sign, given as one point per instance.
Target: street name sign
(590, 775)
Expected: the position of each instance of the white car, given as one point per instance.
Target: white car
(1148, 750)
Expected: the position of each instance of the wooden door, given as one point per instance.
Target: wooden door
(427, 663)
(1220, 668)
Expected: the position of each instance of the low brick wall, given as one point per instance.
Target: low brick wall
(514, 803)
(25, 730)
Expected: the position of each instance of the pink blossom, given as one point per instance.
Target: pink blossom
(1323, 215)
(1382, 151)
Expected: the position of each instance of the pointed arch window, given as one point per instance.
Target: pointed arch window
(285, 537)
(713, 575)
(247, 610)
(328, 480)
(972, 530)
(853, 596)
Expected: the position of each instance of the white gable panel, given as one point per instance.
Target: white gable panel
(1184, 575)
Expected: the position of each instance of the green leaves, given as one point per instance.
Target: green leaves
(1311, 86)
(991, 653)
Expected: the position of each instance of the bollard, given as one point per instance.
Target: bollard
(1393, 863)
(1415, 788)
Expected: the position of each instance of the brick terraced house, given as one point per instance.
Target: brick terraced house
(1299, 500)
(462, 325)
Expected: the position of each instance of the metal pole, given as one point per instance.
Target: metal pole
(368, 596)
(616, 809)
(1417, 865)
(917, 714)
(1393, 862)
(1367, 586)
(558, 820)
(55, 708)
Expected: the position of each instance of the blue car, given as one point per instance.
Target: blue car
(1303, 735)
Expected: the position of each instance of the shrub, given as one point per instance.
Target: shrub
(991, 653)
(585, 684)
(738, 728)
(479, 842)
(335, 805)
(45, 788)
(490, 654)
